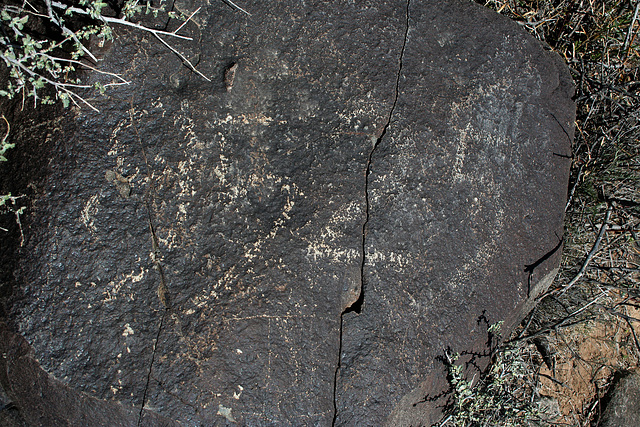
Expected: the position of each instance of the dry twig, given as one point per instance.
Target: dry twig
(593, 251)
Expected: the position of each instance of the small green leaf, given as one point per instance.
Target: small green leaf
(64, 98)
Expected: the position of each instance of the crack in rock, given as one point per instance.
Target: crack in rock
(357, 305)
(163, 291)
(153, 357)
(163, 295)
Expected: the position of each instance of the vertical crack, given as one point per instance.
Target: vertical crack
(163, 295)
(357, 305)
(162, 290)
(153, 357)
(335, 376)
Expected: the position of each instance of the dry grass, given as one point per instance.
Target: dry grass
(587, 327)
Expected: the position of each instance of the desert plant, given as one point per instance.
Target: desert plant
(44, 42)
(4, 145)
(7, 201)
(505, 395)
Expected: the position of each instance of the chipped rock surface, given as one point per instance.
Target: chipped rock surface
(295, 242)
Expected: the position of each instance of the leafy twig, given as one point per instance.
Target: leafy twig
(120, 21)
(35, 64)
(4, 145)
(17, 212)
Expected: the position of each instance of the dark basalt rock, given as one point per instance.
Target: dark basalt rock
(466, 194)
(46, 401)
(623, 401)
(359, 187)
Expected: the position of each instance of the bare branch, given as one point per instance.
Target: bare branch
(15, 9)
(82, 64)
(4, 139)
(184, 59)
(573, 189)
(593, 251)
(633, 21)
(110, 20)
(560, 323)
(187, 20)
(237, 7)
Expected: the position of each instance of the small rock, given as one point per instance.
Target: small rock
(623, 407)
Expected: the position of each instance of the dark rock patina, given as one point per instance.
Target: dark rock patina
(359, 187)
(622, 408)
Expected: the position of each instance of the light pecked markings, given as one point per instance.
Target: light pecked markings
(357, 305)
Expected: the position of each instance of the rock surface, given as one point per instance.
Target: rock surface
(359, 187)
(466, 192)
(46, 401)
(623, 407)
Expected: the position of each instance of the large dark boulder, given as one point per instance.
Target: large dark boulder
(359, 187)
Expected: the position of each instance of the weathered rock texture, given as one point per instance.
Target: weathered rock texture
(360, 186)
(47, 401)
(623, 406)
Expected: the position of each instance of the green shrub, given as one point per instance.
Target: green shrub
(44, 42)
(504, 396)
